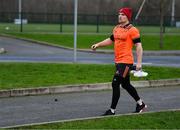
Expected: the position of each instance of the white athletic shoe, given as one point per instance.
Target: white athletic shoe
(140, 73)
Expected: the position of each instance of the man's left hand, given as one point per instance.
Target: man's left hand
(138, 66)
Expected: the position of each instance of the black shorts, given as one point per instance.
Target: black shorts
(123, 69)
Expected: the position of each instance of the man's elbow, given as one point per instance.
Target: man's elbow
(139, 48)
(138, 45)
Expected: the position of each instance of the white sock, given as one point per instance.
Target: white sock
(112, 110)
(140, 101)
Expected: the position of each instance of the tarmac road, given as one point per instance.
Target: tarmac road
(23, 51)
(44, 108)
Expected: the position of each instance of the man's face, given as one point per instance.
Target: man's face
(122, 18)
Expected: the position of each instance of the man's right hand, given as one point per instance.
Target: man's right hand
(94, 47)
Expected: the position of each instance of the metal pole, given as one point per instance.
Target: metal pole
(20, 15)
(140, 9)
(20, 8)
(75, 29)
(61, 22)
(21, 23)
(173, 12)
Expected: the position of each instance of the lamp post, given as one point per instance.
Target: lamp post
(75, 29)
(20, 8)
(172, 13)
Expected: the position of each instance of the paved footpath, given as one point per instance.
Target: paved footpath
(28, 51)
(36, 109)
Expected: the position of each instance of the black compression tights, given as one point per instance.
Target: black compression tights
(125, 83)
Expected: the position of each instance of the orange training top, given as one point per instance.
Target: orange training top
(123, 43)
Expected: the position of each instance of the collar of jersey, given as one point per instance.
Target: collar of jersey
(126, 26)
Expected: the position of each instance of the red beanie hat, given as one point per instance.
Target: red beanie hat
(127, 12)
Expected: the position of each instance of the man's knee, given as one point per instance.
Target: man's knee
(125, 84)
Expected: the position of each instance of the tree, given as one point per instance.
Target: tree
(163, 3)
(161, 22)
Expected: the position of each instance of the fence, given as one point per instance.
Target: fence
(54, 22)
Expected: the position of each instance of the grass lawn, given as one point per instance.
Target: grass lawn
(83, 28)
(54, 28)
(25, 75)
(84, 41)
(158, 120)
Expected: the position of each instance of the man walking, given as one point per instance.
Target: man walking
(124, 36)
